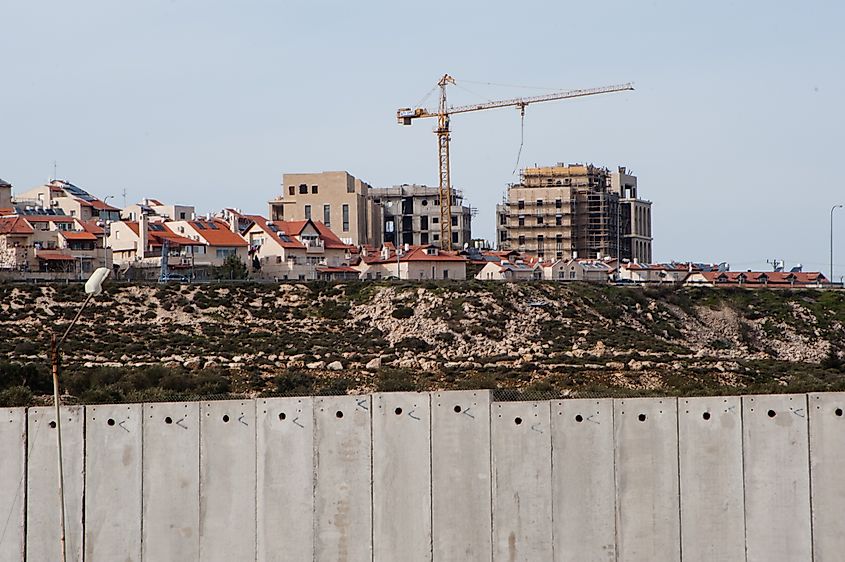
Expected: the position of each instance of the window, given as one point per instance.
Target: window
(225, 252)
(521, 220)
(454, 238)
(503, 219)
(540, 241)
(327, 215)
(182, 215)
(425, 202)
(423, 223)
(558, 220)
(303, 189)
(539, 202)
(291, 190)
(346, 218)
(308, 212)
(435, 220)
(445, 274)
(558, 203)
(503, 236)
(314, 189)
(520, 204)
(435, 237)
(424, 238)
(522, 240)
(454, 221)
(539, 219)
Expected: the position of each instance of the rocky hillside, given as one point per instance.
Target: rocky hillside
(151, 342)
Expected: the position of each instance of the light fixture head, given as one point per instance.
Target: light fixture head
(94, 285)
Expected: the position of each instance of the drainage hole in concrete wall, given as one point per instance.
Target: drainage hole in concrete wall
(641, 417)
(225, 419)
(282, 416)
(338, 414)
(517, 421)
(168, 419)
(398, 411)
(772, 413)
(579, 418)
(457, 409)
(838, 412)
(706, 415)
(53, 425)
(110, 422)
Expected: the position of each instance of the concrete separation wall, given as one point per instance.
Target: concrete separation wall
(429, 477)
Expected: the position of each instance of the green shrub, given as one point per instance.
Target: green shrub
(402, 312)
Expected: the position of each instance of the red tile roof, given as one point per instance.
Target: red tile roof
(103, 206)
(92, 227)
(222, 236)
(157, 237)
(49, 218)
(53, 256)
(416, 253)
(74, 235)
(765, 277)
(266, 226)
(15, 225)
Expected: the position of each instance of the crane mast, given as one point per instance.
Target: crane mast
(406, 115)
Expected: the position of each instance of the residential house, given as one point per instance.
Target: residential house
(155, 208)
(412, 262)
(138, 247)
(218, 240)
(590, 271)
(69, 199)
(507, 270)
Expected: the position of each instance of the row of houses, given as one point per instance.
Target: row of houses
(60, 231)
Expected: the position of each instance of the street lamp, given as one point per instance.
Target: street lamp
(94, 286)
(831, 239)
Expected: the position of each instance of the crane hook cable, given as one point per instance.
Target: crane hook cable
(521, 138)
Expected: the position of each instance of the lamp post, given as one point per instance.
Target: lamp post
(93, 286)
(831, 239)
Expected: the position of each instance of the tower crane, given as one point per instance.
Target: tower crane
(406, 115)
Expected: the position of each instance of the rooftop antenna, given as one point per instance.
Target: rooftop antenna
(54, 171)
(124, 197)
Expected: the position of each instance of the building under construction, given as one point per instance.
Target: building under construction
(575, 210)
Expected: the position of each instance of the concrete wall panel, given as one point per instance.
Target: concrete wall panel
(12, 483)
(113, 438)
(522, 480)
(285, 479)
(227, 480)
(43, 519)
(343, 485)
(648, 518)
(171, 482)
(777, 478)
(401, 477)
(827, 459)
(710, 456)
(583, 480)
(460, 473)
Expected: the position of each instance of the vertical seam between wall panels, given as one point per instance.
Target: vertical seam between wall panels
(615, 481)
(315, 461)
(84, 472)
(143, 412)
(430, 477)
(678, 458)
(552, 475)
(25, 480)
(199, 480)
(490, 469)
(255, 479)
(372, 480)
(742, 463)
(810, 478)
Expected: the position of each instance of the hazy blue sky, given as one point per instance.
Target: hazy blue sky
(735, 129)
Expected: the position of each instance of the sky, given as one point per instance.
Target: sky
(734, 130)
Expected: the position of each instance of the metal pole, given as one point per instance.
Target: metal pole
(831, 240)
(54, 358)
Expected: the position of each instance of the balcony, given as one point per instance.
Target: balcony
(313, 246)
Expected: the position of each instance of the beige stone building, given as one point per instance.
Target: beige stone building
(337, 199)
(413, 263)
(63, 196)
(575, 211)
(412, 215)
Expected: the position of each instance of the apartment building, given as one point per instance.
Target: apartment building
(41, 241)
(339, 200)
(155, 208)
(5, 195)
(71, 200)
(576, 210)
(412, 215)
